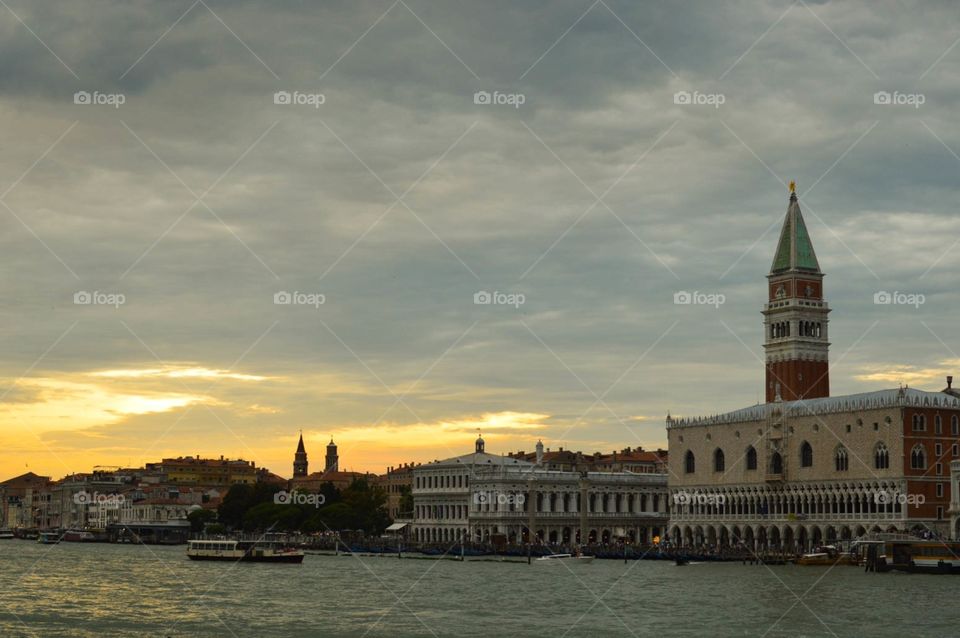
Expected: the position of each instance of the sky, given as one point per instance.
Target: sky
(394, 223)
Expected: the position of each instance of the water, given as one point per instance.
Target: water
(87, 590)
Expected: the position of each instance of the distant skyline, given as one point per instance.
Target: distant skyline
(484, 222)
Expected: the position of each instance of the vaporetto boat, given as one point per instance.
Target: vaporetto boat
(243, 551)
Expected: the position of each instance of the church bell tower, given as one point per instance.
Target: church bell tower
(300, 460)
(795, 316)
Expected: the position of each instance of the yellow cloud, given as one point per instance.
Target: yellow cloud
(175, 372)
(934, 377)
(70, 405)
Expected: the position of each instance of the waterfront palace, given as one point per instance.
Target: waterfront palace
(804, 467)
(485, 497)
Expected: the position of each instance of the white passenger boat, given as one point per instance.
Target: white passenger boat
(564, 558)
(244, 551)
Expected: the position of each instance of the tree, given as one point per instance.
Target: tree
(199, 518)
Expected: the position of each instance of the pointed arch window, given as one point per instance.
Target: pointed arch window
(806, 455)
(776, 463)
(718, 460)
(881, 457)
(751, 458)
(918, 458)
(689, 463)
(841, 461)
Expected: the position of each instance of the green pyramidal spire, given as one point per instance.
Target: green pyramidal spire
(794, 250)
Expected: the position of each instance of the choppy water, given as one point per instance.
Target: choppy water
(116, 590)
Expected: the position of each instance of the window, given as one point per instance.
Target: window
(881, 457)
(806, 455)
(939, 490)
(919, 423)
(954, 425)
(938, 450)
(689, 463)
(918, 458)
(841, 462)
(940, 513)
(718, 460)
(876, 426)
(937, 425)
(776, 463)
(751, 458)
(848, 428)
(939, 468)
(953, 450)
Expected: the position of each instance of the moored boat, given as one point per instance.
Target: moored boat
(243, 551)
(827, 555)
(564, 558)
(78, 536)
(48, 538)
(914, 556)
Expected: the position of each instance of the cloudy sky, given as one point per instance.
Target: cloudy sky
(171, 169)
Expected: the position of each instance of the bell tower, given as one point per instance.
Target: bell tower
(333, 459)
(795, 316)
(300, 459)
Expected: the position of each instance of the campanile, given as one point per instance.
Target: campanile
(795, 316)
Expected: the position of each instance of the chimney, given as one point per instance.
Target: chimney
(949, 381)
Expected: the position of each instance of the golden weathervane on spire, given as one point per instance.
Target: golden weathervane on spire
(793, 186)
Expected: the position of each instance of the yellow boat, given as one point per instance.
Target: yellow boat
(827, 555)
